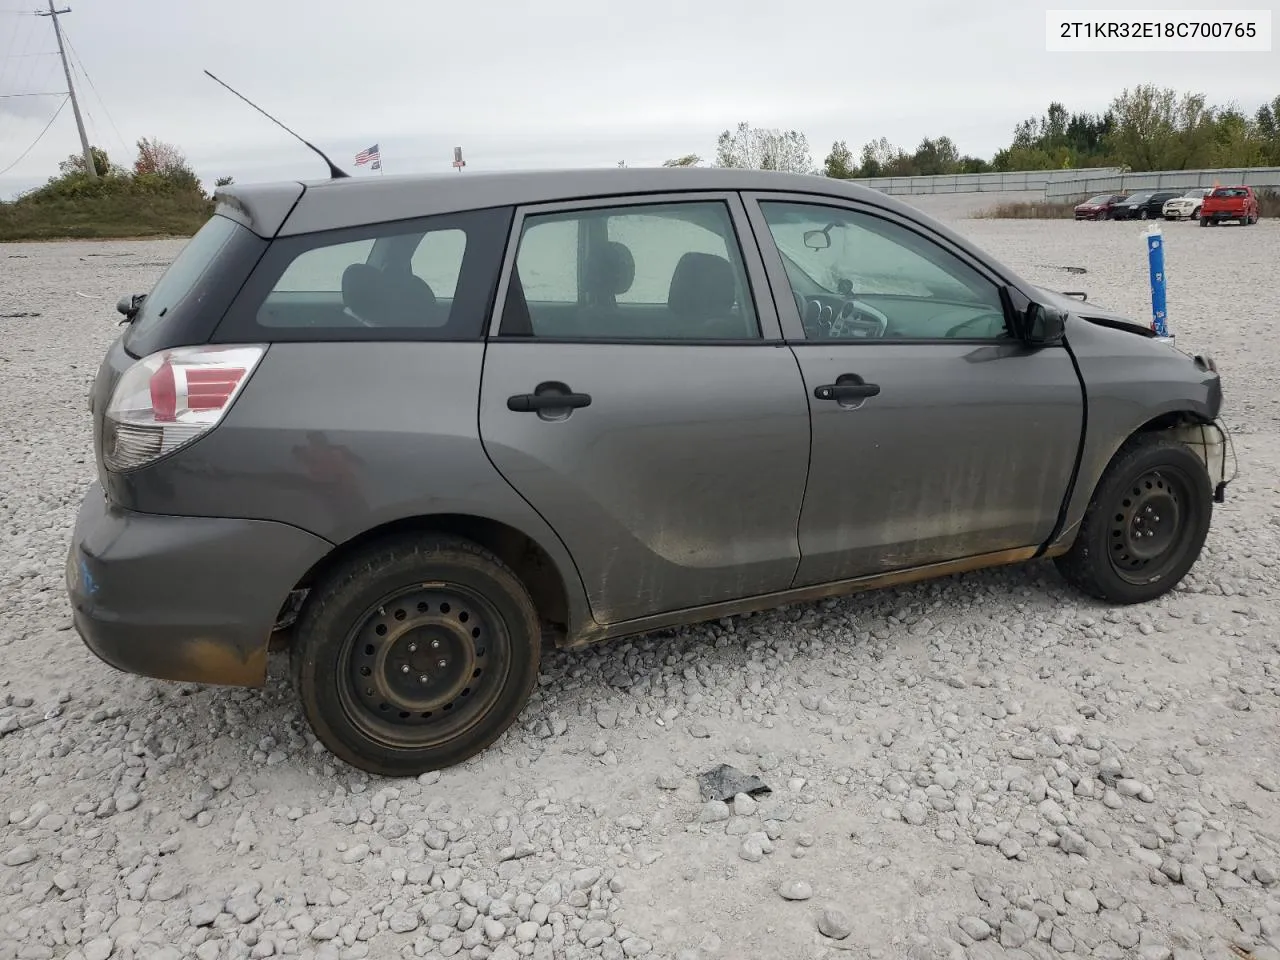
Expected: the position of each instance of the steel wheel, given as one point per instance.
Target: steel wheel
(1147, 529)
(424, 665)
(1145, 525)
(415, 652)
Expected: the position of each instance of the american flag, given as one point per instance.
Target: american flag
(371, 153)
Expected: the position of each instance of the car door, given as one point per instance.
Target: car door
(639, 396)
(937, 435)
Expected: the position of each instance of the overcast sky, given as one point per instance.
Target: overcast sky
(556, 82)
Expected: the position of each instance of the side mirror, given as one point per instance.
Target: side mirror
(1044, 324)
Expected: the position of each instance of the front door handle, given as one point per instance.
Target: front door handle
(535, 402)
(848, 387)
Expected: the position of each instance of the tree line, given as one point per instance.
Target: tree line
(158, 167)
(1146, 128)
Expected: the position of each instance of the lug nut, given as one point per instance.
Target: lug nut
(413, 648)
(423, 678)
(442, 664)
(405, 668)
(435, 644)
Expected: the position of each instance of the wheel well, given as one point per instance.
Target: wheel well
(1176, 418)
(535, 568)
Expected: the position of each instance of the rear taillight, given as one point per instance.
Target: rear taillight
(168, 399)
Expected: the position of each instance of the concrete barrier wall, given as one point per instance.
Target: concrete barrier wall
(1085, 185)
(1011, 182)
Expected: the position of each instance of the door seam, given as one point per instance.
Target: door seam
(804, 388)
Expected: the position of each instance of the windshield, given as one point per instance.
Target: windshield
(863, 261)
(801, 280)
(1196, 194)
(1139, 198)
(1097, 200)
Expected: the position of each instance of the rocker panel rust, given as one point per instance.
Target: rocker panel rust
(599, 634)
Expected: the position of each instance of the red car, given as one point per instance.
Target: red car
(1098, 208)
(1230, 203)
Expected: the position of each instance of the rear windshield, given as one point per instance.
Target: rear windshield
(190, 297)
(1230, 192)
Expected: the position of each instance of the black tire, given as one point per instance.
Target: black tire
(1204, 221)
(1149, 475)
(1144, 215)
(373, 632)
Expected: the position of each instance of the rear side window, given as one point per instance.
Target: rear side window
(426, 279)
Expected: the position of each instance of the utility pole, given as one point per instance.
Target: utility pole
(89, 167)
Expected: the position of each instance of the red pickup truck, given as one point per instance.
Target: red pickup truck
(1230, 203)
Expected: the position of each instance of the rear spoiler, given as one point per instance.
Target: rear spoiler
(262, 208)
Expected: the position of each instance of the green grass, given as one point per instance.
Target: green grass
(104, 218)
(118, 205)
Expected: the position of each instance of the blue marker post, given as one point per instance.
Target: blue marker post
(1155, 259)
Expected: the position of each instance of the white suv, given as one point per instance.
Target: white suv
(1186, 206)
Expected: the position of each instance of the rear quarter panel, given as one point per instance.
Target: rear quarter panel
(340, 438)
(1129, 380)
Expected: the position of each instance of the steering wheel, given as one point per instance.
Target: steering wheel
(849, 319)
(823, 321)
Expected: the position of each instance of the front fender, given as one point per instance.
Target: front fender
(1130, 380)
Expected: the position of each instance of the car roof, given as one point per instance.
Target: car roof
(294, 207)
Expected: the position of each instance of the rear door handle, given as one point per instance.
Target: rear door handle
(848, 386)
(534, 402)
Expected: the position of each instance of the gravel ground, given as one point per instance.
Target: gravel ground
(979, 767)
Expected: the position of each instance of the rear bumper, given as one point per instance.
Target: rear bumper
(182, 598)
(1223, 215)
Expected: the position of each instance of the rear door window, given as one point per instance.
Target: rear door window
(426, 279)
(640, 272)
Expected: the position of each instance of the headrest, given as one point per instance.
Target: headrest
(360, 291)
(392, 299)
(610, 270)
(702, 287)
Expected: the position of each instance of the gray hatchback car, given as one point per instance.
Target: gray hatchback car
(413, 426)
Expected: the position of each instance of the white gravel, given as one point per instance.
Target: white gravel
(979, 767)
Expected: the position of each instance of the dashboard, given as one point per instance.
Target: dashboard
(847, 317)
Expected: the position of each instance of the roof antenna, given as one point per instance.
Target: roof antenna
(334, 172)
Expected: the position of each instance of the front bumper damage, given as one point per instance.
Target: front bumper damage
(1211, 442)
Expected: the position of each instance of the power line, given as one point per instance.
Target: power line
(52, 93)
(38, 138)
(10, 55)
(19, 82)
(84, 71)
(89, 166)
